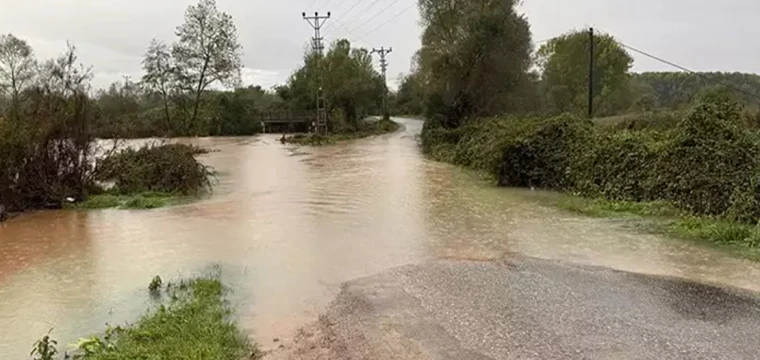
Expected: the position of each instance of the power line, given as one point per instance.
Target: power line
(376, 15)
(347, 12)
(388, 21)
(653, 57)
(349, 34)
(312, 3)
(359, 14)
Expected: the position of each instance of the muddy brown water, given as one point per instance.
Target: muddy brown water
(288, 225)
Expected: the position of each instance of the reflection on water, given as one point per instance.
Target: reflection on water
(289, 225)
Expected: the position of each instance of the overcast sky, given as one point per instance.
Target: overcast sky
(111, 35)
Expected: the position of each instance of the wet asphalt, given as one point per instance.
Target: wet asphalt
(526, 308)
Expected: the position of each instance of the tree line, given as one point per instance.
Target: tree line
(688, 147)
(478, 59)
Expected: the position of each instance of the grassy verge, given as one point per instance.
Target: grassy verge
(192, 322)
(144, 200)
(667, 219)
(368, 129)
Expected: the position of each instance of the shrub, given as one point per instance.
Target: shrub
(707, 164)
(546, 155)
(709, 157)
(620, 166)
(169, 168)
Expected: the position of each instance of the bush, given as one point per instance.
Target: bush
(620, 166)
(169, 168)
(547, 155)
(706, 164)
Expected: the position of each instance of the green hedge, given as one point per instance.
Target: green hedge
(706, 164)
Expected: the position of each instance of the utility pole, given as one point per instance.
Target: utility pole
(384, 67)
(317, 22)
(591, 74)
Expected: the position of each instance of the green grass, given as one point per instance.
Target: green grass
(607, 208)
(144, 200)
(665, 218)
(193, 321)
(369, 129)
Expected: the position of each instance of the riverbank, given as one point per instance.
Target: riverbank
(699, 174)
(664, 218)
(367, 129)
(192, 320)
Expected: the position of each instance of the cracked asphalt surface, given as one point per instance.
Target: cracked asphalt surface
(525, 308)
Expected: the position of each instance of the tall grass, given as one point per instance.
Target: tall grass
(193, 322)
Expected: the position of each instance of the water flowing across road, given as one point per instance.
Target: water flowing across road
(288, 225)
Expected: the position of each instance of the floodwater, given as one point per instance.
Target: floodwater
(288, 225)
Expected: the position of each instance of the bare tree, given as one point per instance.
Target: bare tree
(160, 74)
(17, 68)
(207, 52)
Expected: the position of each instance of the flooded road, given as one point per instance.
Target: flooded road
(288, 225)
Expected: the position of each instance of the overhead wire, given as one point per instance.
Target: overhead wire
(376, 15)
(362, 11)
(348, 12)
(312, 4)
(683, 68)
(389, 20)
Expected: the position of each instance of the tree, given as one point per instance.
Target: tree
(17, 68)
(352, 87)
(564, 62)
(410, 98)
(207, 52)
(475, 55)
(160, 75)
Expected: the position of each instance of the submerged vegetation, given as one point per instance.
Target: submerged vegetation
(702, 171)
(366, 129)
(192, 321)
(692, 156)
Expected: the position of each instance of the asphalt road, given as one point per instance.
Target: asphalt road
(529, 309)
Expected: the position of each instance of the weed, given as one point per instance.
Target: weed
(45, 348)
(155, 284)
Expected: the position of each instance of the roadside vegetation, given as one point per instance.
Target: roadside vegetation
(366, 128)
(689, 157)
(191, 320)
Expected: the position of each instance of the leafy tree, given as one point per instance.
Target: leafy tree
(475, 55)
(564, 64)
(352, 87)
(207, 52)
(410, 98)
(678, 90)
(17, 68)
(160, 75)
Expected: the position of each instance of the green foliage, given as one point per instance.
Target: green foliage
(45, 348)
(155, 284)
(475, 58)
(45, 142)
(145, 200)
(564, 62)
(366, 129)
(547, 155)
(193, 323)
(601, 207)
(679, 90)
(351, 86)
(170, 168)
(410, 98)
(705, 165)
